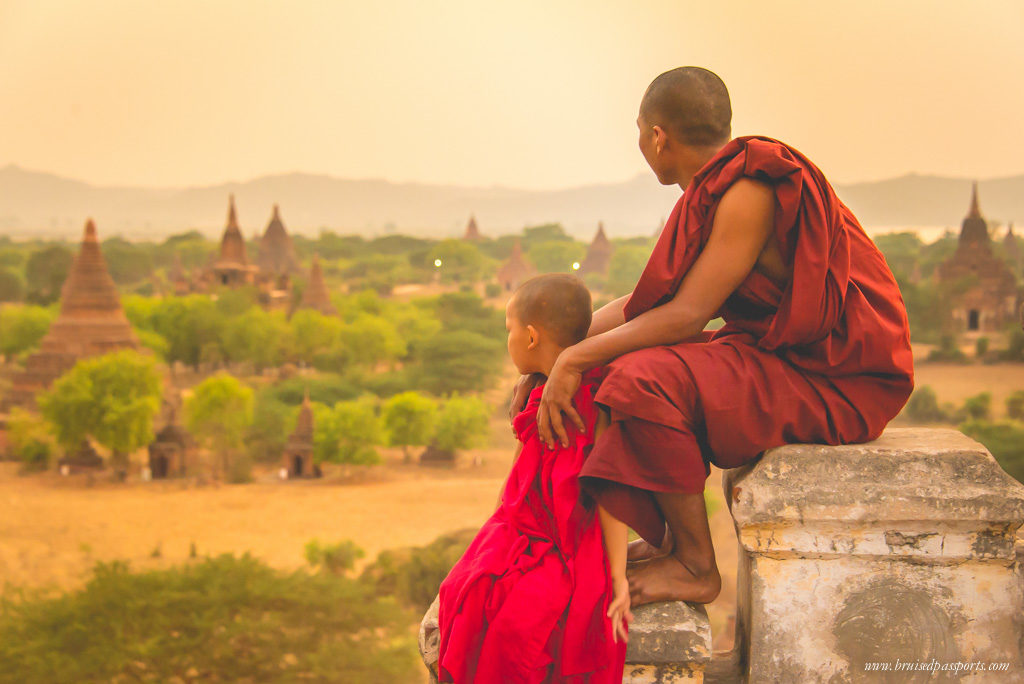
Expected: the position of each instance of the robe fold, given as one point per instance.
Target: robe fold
(527, 601)
(823, 358)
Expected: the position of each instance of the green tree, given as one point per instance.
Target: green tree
(624, 269)
(260, 337)
(12, 286)
(29, 440)
(189, 324)
(409, 420)
(979, 407)
(21, 327)
(359, 430)
(462, 424)
(556, 256)
(111, 398)
(370, 340)
(219, 412)
(461, 261)
(923, 407)
(1015, 405)
(459, 361)
(314, 335)
(334, 558)
(45, 273)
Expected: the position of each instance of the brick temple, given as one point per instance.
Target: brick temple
(91, 322)
(599, 253)
(316, 296)
(984, 296)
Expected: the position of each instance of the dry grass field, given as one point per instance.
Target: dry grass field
(955, 382)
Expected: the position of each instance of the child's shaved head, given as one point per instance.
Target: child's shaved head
(558, 302)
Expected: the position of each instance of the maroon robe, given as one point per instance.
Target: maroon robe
(527, 601)
(823, 359)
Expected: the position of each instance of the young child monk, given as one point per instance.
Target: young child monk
(535, 597)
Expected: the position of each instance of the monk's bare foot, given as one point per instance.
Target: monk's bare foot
(640, 550)
(665, 578)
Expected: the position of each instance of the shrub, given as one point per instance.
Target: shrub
(1015, 405)
(978, 407)
(923, 407)
(948, 350)
(219, 619)
(335, 558)
(1005, 439)
(413, 575)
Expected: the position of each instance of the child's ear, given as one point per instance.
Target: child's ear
(534, 336)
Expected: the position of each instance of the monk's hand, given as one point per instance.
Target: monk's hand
(521, 393)
(618, 609)
(555, 400)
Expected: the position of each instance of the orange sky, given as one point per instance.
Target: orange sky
(524, 93)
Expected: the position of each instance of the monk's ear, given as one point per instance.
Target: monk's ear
(534, 336)
(660, 139)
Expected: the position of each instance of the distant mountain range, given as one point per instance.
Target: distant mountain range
(42, 204)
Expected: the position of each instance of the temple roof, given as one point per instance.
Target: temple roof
(316, 295)
(472, 231)
(303, 432)
(974, 228)
(516, 267)
(89, 286)
(277, 252)
(232, 244)
(598, 253)
(91, 322)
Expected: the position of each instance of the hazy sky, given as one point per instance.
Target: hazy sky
(523, 93)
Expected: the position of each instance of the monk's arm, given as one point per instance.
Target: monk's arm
(742, 225)
(608, 317)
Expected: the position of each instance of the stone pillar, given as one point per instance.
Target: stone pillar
(669, 643)
(901, 550)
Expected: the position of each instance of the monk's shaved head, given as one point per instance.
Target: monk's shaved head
(692, 103)
(557, 302)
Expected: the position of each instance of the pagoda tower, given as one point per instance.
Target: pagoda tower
(1012, 248)
(298, 451)
(91, 322)
(277, 252)
(316, 295)
(472, 232)
(515, 270)
(599, 253)
(991, 300)
(232, 267)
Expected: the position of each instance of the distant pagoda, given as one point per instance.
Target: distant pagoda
(1013, 249)
(599, 253)
(91, 322)
(515, 270)
(989, 301)
(232, 268)
(277, 252)
(316, 295)
(472, 231)
(298, 451)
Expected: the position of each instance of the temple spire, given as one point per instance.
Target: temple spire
(975, 211)
(232, 214)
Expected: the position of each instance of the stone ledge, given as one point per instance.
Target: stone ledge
(668, 642)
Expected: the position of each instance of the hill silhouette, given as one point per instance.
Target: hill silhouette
(41, 204)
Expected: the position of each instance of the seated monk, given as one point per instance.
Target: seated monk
(815, 346)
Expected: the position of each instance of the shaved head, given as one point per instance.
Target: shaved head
(692, 103)
(557, 302)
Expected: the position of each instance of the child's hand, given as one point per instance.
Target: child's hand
(618, 609)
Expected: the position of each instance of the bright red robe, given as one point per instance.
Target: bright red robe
(824, 359)
(527, 602)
